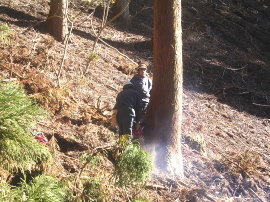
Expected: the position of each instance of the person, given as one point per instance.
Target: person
(143, 84)
(127, 110)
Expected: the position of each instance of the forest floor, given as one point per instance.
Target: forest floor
(226, 98)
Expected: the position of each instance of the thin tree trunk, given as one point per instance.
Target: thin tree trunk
(118, 6)
(57, 19)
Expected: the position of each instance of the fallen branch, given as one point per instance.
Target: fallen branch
(256, 195)
(118, 51)
(107, 146)
(112, 88)
(155, 186)
(98, 104)
(261, 105)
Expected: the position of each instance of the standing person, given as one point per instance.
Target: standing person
(128, 108)
(143, 84)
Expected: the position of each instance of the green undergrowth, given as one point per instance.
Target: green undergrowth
(134, 166)
(18, 116)
(41, 188)
(5, 34)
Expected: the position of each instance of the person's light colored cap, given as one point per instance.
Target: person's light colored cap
(142, 66)
(127, 83)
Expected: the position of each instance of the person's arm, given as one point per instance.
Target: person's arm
(114, 120)
(114, 113)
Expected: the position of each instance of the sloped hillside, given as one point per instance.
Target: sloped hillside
(226, 92)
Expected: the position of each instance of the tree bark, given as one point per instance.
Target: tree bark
(118, 6)
(164, 114)
(56, 23)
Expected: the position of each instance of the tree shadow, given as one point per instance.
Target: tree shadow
(23, 20)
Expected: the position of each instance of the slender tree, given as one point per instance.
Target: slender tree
(122, 6)
(164, 115)
(57, 24)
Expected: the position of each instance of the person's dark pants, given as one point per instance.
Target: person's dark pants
(125, 125)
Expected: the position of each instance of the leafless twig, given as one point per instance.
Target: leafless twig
(261, 105)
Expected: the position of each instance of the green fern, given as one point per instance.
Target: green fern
(18, 115)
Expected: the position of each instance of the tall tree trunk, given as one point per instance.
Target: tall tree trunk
(164, 115)
(57, 19)
(118, 7)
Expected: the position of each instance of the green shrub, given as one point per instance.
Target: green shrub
(134, 166)
(93, 159)
(18, 116)
(6, 193)
(41, 188)
(93, 191)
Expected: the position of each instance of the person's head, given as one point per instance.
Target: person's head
(142, 69)
(127, 84)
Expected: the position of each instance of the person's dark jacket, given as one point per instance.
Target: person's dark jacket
(143, 85)
(129, 103)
